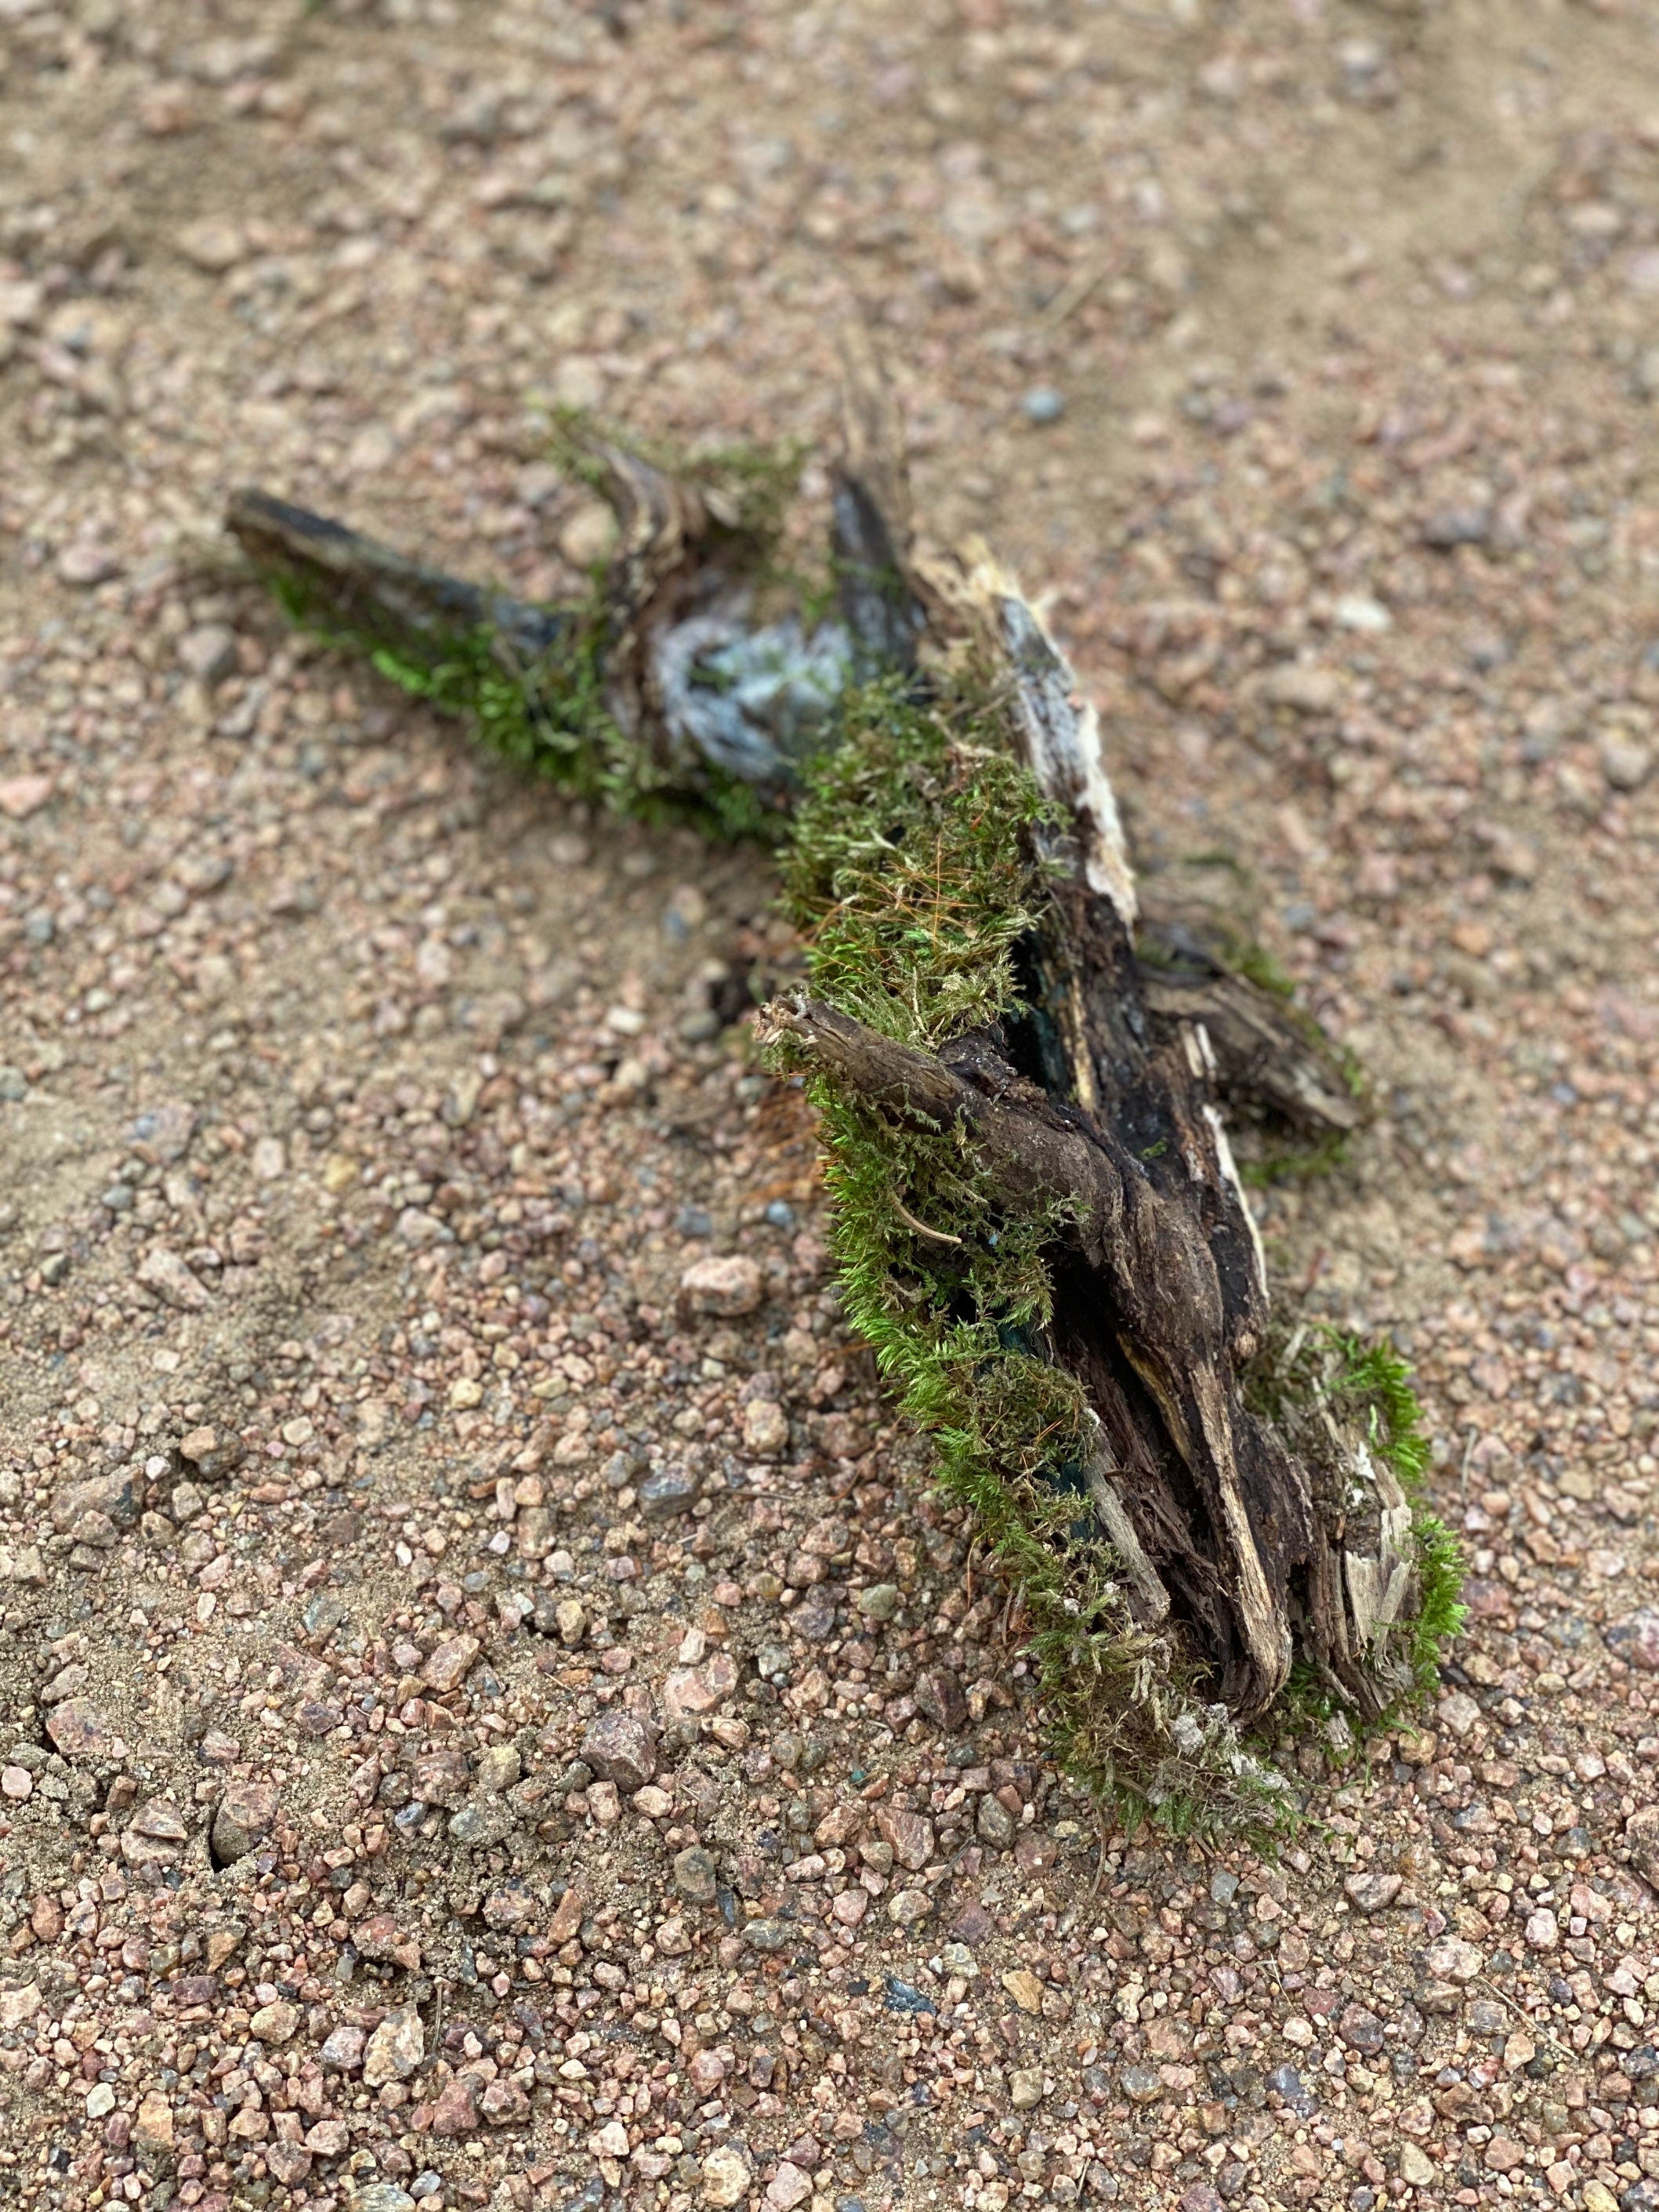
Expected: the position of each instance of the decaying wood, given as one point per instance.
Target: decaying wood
(1103, 1101)
(1261, 1059)
(670, 598)
(1105, 1104)
(370, 590)
(1218, 1508)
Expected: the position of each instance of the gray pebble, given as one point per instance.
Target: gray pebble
(670, 1491)
(696, 1875)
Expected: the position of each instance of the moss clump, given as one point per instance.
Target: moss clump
(912, 873)
(548, 714)
(1330, 1391)
(915, 871)
(1373, 1390)
(1293, 1158)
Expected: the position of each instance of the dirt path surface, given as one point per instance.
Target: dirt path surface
(486, 1716)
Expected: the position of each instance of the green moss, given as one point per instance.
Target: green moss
(1259, 966)
(1375, 1385)
(1317, 1383)
(911, 871)
(1442, 1615)
(1293, 1159)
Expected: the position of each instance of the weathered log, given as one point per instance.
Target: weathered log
(674, 643)
(681, 689)
(1041, 1221)
(1085, 1108)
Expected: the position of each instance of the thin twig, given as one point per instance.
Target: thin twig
(1072, 295)
(1526, 2018)
(939, 1236)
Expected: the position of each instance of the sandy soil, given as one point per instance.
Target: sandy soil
(486, 1719)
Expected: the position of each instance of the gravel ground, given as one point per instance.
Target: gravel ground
(487, 1713)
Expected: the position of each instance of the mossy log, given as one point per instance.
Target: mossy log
(1023, 1063)
(1100, 1111)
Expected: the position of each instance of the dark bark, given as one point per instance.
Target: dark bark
(1158, 1301)
(1265, 1061)
(367, 589)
